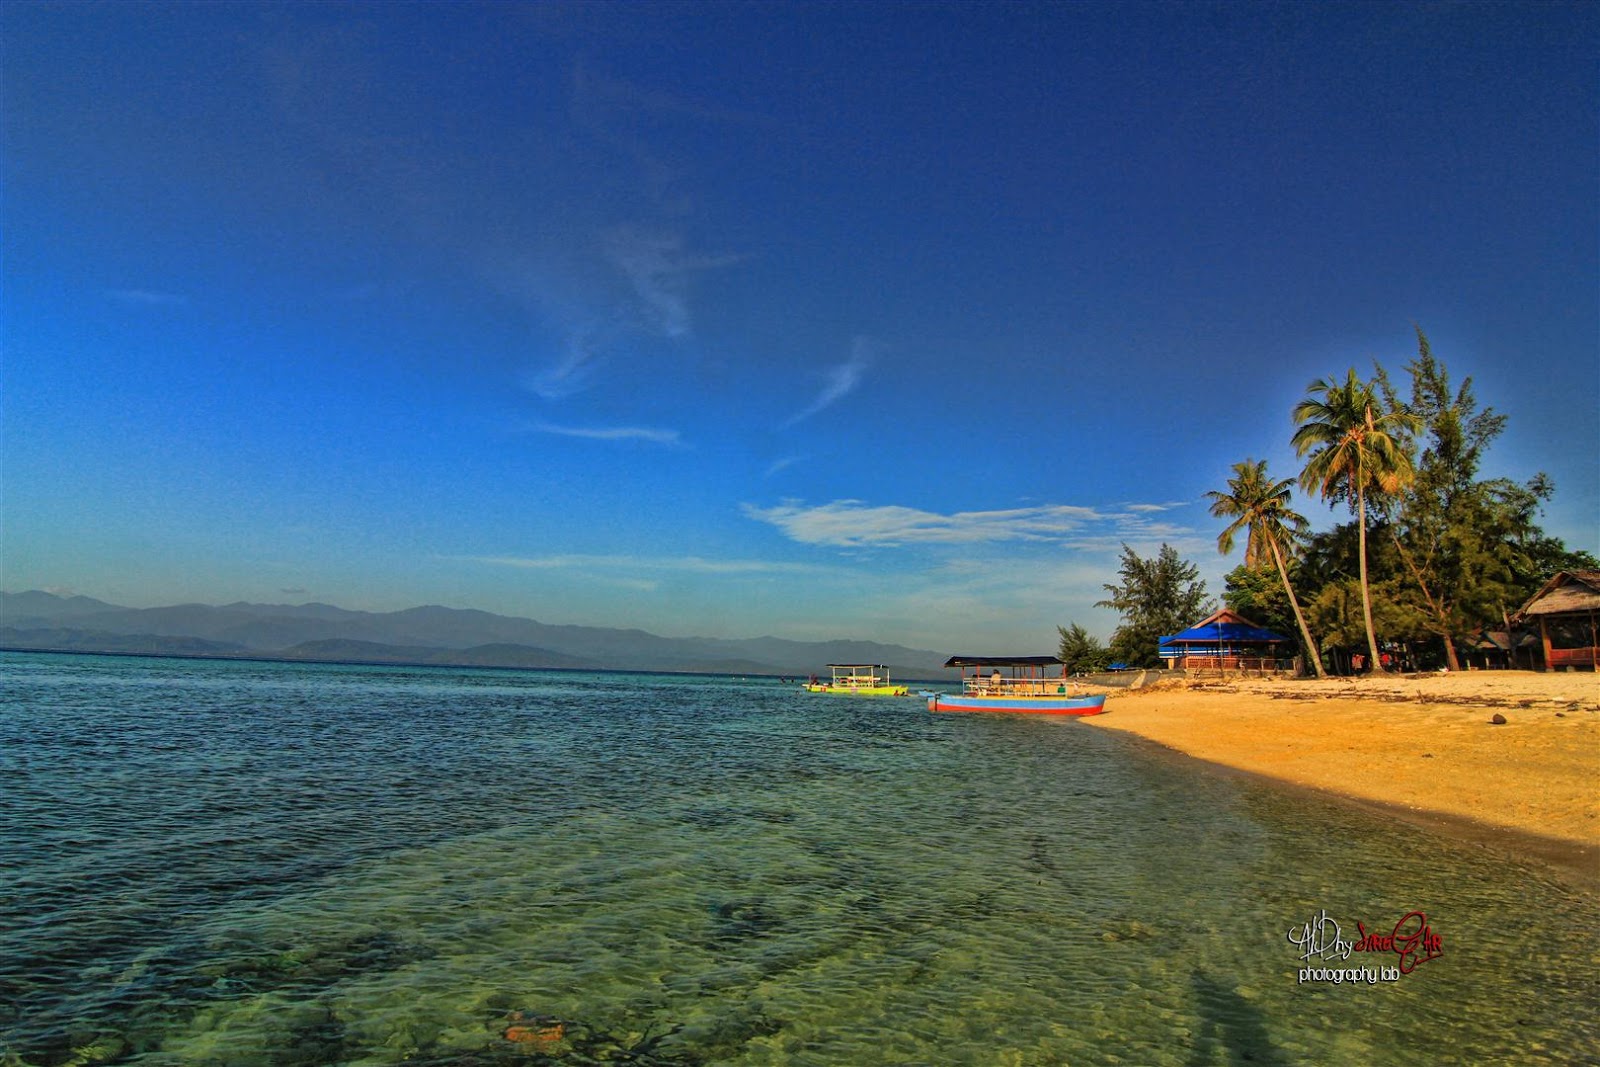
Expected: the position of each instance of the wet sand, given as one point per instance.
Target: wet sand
(1423, 747)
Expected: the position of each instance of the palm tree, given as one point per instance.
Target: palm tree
(1260, 506)
(1357, 447)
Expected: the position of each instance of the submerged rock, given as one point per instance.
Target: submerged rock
(526, 1028)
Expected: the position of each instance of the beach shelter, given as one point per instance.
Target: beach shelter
(1567, 611)
(1225, 640)
(1500, 649)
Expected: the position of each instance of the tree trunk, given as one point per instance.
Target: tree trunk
(1305, 633)
(1366, 594)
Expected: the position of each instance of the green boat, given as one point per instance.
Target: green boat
(857, 680)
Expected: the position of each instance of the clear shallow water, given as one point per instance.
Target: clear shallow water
(214, 863)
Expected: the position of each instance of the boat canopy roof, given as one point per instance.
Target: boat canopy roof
(860, 666)
(1000, 661)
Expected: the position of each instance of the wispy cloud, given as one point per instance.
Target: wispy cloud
(649, 434)
(841, 380)
(609, 296)
(599, 99)
(660, 272)
(568, 375)
(147, 298)
(615, 264)
(780, 464)
(677, 564)
(649, 261)
(855, 524)
(367, 292)
(996, 591)
(642, 125)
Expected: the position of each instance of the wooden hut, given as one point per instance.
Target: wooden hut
(1226, 641)
(1567, 612)
(1501, 649)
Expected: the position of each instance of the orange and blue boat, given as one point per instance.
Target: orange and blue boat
(1017, 685)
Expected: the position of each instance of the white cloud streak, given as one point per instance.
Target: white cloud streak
(147, 298)
(840, 382)
(650, 435)
(638, 287)
(660, 273)
(856, 524)
(571, 374)
(780, 464)
(676, 564)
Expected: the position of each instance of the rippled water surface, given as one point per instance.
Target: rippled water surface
(219, 863)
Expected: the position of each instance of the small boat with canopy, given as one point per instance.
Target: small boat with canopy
(1016, 684)
(857, 680)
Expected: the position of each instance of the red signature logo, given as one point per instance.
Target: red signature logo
(1412, 939)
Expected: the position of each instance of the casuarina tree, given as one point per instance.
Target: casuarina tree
(1156, 597)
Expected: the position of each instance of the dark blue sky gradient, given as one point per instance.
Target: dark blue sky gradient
(885, 320)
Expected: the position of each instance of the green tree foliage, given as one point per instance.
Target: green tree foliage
(1260, 506)
(1329, 556)
(1258, 595)
(1336, 612)
(1435, 552)
(1537, 555)
(1081, 652)
(1155, 598)
(1329, 562)
(1468, 551)
(1440, 525)
(1356, 449)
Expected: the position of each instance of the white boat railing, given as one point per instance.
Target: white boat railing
(1019, 687)
(852, 679)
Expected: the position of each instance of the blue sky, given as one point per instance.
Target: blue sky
(882, 321)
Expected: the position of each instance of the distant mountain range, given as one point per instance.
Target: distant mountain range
(427, 635)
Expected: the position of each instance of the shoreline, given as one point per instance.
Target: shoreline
(1419, 748)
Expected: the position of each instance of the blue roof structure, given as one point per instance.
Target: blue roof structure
(1224, 628)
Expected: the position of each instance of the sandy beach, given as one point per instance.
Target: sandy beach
(1421, 746)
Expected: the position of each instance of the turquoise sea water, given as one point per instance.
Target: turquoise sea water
(226, 863)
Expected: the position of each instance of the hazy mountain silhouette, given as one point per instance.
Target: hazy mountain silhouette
(430, 634)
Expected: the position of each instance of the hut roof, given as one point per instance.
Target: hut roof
(1568, 591)
(1505, 642)
(1227, 626)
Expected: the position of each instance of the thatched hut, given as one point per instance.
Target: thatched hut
(1567, 612)
(1501, 649)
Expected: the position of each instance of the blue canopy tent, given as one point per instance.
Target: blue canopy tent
(1225, 640)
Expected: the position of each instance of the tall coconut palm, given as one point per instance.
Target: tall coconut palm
(1260, 506)
(1357, 448)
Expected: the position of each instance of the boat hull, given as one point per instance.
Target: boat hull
(859, 690)
(1023, 705)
